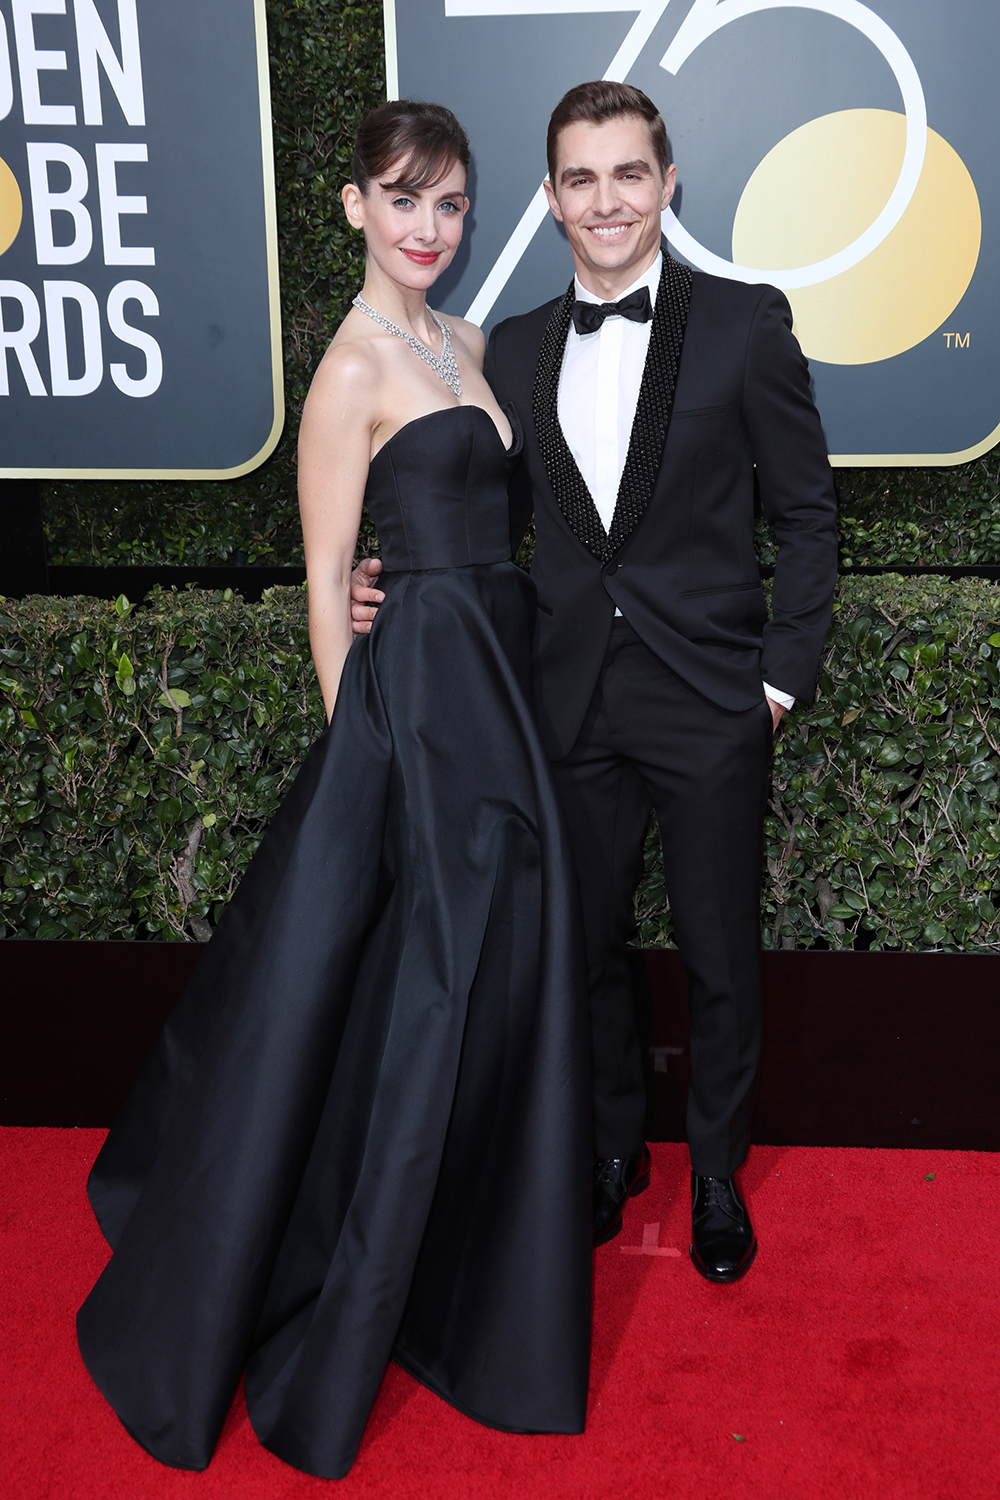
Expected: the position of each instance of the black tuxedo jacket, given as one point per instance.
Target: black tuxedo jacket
(725, 389)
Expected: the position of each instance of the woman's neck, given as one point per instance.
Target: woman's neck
(405, 306)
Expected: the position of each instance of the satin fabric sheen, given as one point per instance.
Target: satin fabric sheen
(364, 1132)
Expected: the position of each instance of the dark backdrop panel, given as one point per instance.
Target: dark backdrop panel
(860, 1049)
(743, 89)
(205, 186)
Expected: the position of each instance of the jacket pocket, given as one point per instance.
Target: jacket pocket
(700, 411)
(726, 588)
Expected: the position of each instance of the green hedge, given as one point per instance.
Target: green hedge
(144, 751)
(914, 517)
(921, 516)
(327, 69)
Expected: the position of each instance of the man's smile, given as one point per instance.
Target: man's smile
(608, 231)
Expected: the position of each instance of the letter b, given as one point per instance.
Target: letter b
(45, 203)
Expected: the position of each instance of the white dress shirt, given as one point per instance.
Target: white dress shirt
(598, 394)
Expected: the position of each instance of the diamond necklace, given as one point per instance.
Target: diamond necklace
(443, 364)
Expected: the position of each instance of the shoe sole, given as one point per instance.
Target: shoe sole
(724, 1277)
(639, 1186)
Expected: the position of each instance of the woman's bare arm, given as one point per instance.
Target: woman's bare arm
(334, 451)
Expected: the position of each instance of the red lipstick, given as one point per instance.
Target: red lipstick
(422, 257)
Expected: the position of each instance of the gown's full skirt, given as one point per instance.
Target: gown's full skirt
(364, 1132)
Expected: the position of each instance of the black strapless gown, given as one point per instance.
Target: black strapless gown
(364, 1132)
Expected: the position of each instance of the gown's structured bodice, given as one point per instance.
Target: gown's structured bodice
(437, 491)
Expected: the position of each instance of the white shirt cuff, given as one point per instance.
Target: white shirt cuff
(785, 699)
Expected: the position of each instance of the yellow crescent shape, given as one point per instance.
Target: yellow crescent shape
(11, 207)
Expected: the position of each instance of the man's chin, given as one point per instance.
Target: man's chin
(612, 260)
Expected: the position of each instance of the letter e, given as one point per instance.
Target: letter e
(31, 62)
(113, 206)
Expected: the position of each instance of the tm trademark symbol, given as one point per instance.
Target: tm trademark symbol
(961, 340)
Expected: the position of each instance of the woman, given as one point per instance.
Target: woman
(364, 1132)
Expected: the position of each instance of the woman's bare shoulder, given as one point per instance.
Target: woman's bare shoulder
(350, 366)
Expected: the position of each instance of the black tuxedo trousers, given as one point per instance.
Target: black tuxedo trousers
(650, 740)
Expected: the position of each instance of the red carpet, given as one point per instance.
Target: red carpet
(860, 1357)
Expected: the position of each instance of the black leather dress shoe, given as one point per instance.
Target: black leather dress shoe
(724, 1243)
(615, 1179)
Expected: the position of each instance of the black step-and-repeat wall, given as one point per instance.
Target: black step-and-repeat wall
(844, 152)
(139, 324)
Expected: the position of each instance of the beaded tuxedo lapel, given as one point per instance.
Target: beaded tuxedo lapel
(656, 400)
(572, 495)
(649, 430)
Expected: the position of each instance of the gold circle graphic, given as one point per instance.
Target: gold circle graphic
(10, 207)
(821, 187)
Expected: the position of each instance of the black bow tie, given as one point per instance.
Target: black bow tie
(637, 307)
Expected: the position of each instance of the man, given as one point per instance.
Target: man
(649, 396)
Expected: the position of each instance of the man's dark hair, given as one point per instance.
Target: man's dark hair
(593, 104)
(423, 141)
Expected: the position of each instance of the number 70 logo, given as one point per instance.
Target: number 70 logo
(867, 218)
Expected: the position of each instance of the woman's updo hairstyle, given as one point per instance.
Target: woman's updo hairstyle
(421, 140)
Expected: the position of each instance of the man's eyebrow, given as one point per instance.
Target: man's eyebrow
(639, 165)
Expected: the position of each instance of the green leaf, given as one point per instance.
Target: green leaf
(929, 1177)
(83, 654)
(739, 1437)
(181, 699)
(169, 810)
